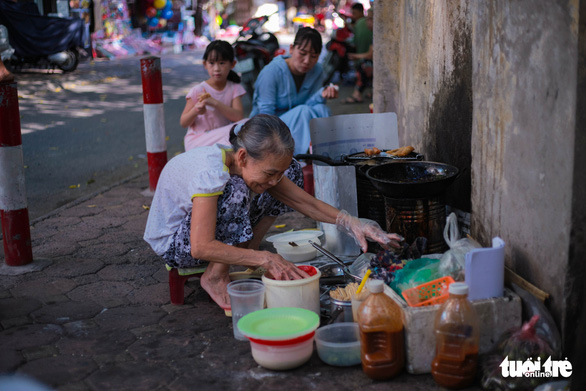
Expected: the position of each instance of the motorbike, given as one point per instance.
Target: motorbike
(32, 40)
(336, 58)
(254, 48)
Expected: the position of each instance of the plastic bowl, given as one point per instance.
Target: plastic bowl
(338, 344)
(282, 355)
(280, 338)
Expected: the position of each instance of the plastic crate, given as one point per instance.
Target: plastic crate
(430, 293)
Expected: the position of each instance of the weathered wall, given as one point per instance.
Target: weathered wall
(524, 83)
(491, 87)
(575, 288)
(427, 81)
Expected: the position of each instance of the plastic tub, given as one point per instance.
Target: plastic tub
(282, 355)
(302, 293)
(338, 344)
(280, 338)
(303, 251)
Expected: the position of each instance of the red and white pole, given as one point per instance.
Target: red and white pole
(13, 206)
(154, 118)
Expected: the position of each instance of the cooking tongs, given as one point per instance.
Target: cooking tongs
(335, 259)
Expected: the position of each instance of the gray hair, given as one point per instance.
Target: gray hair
(261, 135)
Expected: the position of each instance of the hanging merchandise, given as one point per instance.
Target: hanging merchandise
(159, 13)
(115, 19)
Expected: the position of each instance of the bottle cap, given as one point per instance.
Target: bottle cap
(375, 286)
(458, 288)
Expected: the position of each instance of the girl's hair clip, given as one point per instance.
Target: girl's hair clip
(238, 128)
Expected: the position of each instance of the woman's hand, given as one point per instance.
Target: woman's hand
(280, 269)
(360, 229)
(330, 92)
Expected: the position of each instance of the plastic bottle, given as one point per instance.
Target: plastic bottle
(382, 344)
(457, 333)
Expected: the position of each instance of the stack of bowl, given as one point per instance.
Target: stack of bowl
(280, 338)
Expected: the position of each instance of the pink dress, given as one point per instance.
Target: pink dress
(211, 127)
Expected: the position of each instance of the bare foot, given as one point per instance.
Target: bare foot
(216, 287)
(5, 75)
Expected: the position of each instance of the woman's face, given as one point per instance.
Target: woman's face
(303, 58)
(260, 175)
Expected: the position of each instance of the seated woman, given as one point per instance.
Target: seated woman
(291, 88)
(214, 204)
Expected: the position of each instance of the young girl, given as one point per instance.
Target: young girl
(214, 105)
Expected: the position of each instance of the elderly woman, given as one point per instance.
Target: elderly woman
(291, 87)
(214, 204)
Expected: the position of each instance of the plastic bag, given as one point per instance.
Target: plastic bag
(415, 272)
(516, 345)
(453, 262)
(545, 326)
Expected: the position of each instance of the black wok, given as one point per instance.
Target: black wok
(412, 179)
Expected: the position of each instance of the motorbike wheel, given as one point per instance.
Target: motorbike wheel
(71, 63)
(330, 66)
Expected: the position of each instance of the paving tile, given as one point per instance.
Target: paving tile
(126, 272)
(200, 318)
(157, 294)
(68, 267)
(80, 328)
(43, 287)
(96, 341)
(167, 349)
(108, 294)
(106, 252)
(129, 317)
(10, 359)
(58, 370)
(78, 386)
(130, 376)
(65, 312)
(12, 307)
(37, 352)
(15, 322)
(55, 248)
(30, 335)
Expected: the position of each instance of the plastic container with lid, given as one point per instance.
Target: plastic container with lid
(457, 335)
(294, 246)
(382, 343)
(302, 293)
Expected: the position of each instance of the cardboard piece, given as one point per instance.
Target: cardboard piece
(346, 134)
(485, 271)
(336, 185)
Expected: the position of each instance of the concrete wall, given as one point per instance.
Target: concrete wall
(491, 87)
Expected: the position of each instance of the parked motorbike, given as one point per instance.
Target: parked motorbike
(254, 49)
(336, 59)
(33, 40)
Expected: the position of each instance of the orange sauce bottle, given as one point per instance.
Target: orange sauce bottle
(457, 333)
(382, 348)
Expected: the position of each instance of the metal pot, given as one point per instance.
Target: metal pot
(412, 179)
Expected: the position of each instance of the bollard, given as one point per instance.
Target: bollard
(13, 206)
(154, 118)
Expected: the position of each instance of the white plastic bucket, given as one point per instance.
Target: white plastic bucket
(302, 293)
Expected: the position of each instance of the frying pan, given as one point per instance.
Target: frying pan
(412, 179)
(359, 158)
